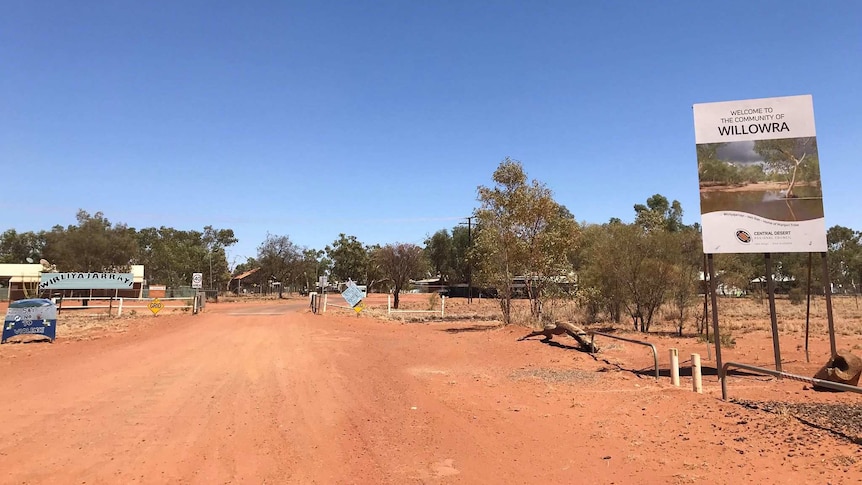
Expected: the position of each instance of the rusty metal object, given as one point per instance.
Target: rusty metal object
(843, 368)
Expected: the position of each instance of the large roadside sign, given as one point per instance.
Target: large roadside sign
(759, 175)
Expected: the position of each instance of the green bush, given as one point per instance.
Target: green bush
(797, 296)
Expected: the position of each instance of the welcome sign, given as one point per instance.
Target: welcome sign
(86, 281)
(759, 175)
(33, 317)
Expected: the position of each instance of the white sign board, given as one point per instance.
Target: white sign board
(197, 280)
(759, 175)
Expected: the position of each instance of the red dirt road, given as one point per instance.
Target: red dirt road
(270, 393)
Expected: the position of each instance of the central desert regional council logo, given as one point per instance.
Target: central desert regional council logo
(743, 236)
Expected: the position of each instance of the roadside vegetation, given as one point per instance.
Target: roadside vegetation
(520, 245)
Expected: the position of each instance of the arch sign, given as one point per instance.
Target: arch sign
(759, 175)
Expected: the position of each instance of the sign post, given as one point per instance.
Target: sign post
(760, 190)
(353, 295)
(155, 306)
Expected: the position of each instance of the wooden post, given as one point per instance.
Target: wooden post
(674, 367)
(696, 377)
(715, 333)
(442, 306)
(770, 287)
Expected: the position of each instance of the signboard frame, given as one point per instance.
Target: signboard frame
(759, 176)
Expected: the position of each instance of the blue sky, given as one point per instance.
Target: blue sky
(379, 119)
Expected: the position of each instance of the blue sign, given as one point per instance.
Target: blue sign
(35, 316)
(352, 294)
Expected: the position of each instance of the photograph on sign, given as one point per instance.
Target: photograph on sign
(759, 175)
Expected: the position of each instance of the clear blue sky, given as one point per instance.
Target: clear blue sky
(380, 119)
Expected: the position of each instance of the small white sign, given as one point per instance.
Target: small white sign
(197, 280)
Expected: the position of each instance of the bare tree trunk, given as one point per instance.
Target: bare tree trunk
(796, 162)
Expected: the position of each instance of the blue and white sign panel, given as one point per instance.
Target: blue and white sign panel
(35, 316)
(86, 281)
(352, 294)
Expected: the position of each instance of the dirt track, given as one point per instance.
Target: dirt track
(274, 394)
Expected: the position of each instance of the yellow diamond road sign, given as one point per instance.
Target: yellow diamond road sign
(155, 306)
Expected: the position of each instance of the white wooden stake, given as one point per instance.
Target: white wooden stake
(696, 378)
(442, 306)
(389, 305)
(674, 367)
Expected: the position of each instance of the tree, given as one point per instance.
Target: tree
(787, 156)
(460, 264)
(93, 245)
(281, 259)
(171, 256)
(845, 256)
(439, 252)
(17, 248)
(659, 214)
(522, 232)
(216, 241)
(311, 266)
(349, 258)
(400, 263)
(686, 253)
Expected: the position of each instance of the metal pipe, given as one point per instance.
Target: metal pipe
(808, 380)
(639, 342)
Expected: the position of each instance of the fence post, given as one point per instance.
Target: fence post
(388, 305)
(325, 298)
(696, 378)
(442, 306)
(120, 307)
(674, 367)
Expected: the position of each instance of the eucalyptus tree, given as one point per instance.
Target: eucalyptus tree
(523, 232)
(400, 263)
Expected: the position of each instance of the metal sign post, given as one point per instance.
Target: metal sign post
(773, 317)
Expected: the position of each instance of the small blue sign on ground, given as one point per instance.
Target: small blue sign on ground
(35, 316)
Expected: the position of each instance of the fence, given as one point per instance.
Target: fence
(109, 304)
(390, 310)
(315, 300)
